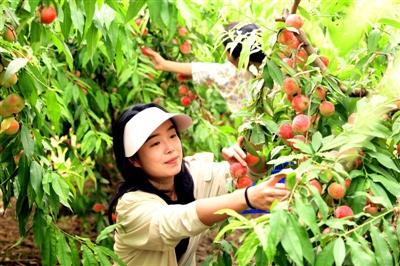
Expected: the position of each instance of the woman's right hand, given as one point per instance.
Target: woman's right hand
(156, 58)
(264, 194)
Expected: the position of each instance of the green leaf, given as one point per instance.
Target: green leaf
(88, 257)
(292, 245)
(76, 16)
(316, 141)
(257, 135)
(382, 253)
(36, 174)
(90, 7)
(389, 185)
(75, 260)
(385, 160)
(390, 237)
(111, 254)
(27, 141)
(63, 250)
(278, 217)
(275, 72)
(63, 48)
(105, 233)
(134, 8)
(305, 243)
(306, 214)
(360, 256)
(53, 109)
(247, 250)
(390, 22)
(155, 11)
(101, 257)
(325, 257)
(61, 188)
(339, 251)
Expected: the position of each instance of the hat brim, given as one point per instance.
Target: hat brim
(143, 124)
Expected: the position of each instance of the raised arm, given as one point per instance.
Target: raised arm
(160, 63)
(260, 196)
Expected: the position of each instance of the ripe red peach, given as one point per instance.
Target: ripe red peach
(300, 103)
(286, 131)
(301, 123)
(237, 170)
(326, 108)
(336, 190)
(294, 20)
(290, 86)
(343, 211)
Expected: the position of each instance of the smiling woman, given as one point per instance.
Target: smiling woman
(167, 202)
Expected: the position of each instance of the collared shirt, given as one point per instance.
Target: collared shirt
(232, 82)
(150, 228)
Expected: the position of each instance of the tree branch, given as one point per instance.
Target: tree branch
(310, 50)
(295, 6)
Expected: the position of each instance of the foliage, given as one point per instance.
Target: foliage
(79, 72)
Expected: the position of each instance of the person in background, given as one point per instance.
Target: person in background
(231, 81)
(168, 201)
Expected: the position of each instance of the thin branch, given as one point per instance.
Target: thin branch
(310, 50)
(295, 6)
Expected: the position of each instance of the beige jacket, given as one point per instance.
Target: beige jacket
(150, 229)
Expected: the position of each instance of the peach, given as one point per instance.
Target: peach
(14, 103)
(321, 92)
(325, 60)
(294, 20)
(182, 31)
(10, 126)
(244, 182)
(185, 101)
(290, 86)
(185, 47)
(317, 185)
(326, 108)
(286, 131)
(336, 190)
(343, 211)
(288, 61)
(183, 90)
(301, 123)
(251, 159)
(237, 170)
(300, 103)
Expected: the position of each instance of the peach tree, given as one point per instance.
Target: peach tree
(325, 109)
(68, 68)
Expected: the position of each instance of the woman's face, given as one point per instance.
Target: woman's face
(161, 155)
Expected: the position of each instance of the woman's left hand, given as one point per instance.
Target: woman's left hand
(235, 153)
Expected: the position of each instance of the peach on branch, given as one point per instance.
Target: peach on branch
(9, 126)
(10, 34)
(14, 103)
(336, 190)
(300, 103)
(326, 108)
(321, 92)
(4, 110)
(288, 61)
(288, 38)
(237, 170)
(290, 86)
(47, 14)
(9, 82)
(301, 123)
(244, 182)
(343, 211)
(182, 31)
(286, 131)
(325, 60)
(317, 185)
(183, 90)
(251, 159)
(185, 101)
(294, 20)
(185, 47)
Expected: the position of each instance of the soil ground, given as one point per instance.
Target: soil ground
(26, 252)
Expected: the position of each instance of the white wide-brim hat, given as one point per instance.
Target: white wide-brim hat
(142, 125)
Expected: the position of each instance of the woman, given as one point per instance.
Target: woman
(232, 82)
(167, 202)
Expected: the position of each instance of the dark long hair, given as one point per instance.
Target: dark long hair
(256, 54)
(136, 179)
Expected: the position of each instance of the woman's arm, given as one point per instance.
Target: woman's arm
(260, 196)
(160, 63)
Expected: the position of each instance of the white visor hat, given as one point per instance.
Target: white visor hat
(142, 125)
